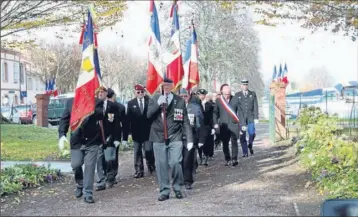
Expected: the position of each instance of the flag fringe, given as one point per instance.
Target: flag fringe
(80, 122)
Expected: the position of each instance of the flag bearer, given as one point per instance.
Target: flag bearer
(168, 140)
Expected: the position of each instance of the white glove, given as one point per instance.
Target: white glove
(61, 142)
(212, 131)
(256, 121)
(161, 100)
(243, 128)
(189, 146)
(216, 126)
(125, 143)
(200, 145)
(116, 143)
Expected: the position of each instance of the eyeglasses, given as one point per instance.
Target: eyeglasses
(184, 96)
(141, 91)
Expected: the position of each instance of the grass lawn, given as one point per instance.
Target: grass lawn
(27, 142)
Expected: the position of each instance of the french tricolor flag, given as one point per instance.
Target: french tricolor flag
(284, 74)
(155, 69)
(175, 70)
(191, 71)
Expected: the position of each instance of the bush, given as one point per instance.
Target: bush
(332, 159)
(21, 176)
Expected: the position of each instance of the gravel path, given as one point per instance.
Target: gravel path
(268, 183)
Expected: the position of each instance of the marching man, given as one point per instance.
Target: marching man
(248, 115)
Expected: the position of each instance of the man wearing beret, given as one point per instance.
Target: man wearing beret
(168, 139)
(207, 130)
(122, 129)
(196, 119)
(107, 152)
(139, 128)
(84, 142)
(248, 112)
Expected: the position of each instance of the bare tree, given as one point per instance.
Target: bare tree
(320, 78)
(121, 70)
(228, 44)
(57, 61)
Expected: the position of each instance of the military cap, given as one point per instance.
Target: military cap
(167, 80)
(244, 81)
(202, 91)
(183, 91)
(110, 93)
(138, 87)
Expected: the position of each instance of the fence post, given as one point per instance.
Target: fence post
(272, 119)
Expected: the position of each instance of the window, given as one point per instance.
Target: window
(29, 83)
(16, 72)
(22, 76)
(5, 72)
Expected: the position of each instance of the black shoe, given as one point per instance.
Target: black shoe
(228, 163)
(251, 151)
(179, 195)
(138, 175)
(163, 197)
(89, 199)
(235, 163)
(101, 188)
(78, 192)
(245, 155)
(115, 182)
(110, 184)
(188, 187)
(206, 161)
(151, 169)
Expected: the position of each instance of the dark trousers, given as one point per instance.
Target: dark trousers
(252, 134)
(106, 161)
(138, 155)
(86, 155)
(116, 163)
(225, 136)
(208, 147)
(188, 165)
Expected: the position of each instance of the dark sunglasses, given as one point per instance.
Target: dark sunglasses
(141, 91)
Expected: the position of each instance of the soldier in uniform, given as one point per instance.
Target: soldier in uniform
(121, 129)
(248, 115)
(196, 119)
(139, 127)
(227, 123)
(107, 151)
(168, 140)
(84, 143)
(207, 130)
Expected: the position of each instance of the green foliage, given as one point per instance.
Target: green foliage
(16, 178)
(332, 159)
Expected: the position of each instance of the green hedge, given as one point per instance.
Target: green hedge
(21, 176)
(331, 156)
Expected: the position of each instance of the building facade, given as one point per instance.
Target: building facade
(18, 83)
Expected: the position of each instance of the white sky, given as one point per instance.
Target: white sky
(278, 45)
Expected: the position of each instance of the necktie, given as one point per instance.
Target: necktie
(141, 105)
(245, 93)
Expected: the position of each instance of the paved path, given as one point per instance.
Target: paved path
(268, 183)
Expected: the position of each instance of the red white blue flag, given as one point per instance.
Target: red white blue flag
(155, 69)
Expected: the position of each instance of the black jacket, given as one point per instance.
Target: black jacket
(138, 122)
(223, 118)
(248, 109)
(178, 125)
(111, 124)
(88, 133)
(196, 120)
(122, 129)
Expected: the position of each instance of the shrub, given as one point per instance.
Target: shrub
(21, 176)
(332, 160)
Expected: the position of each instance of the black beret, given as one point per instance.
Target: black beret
(202, 91)
(110, 93)
(167, 80)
